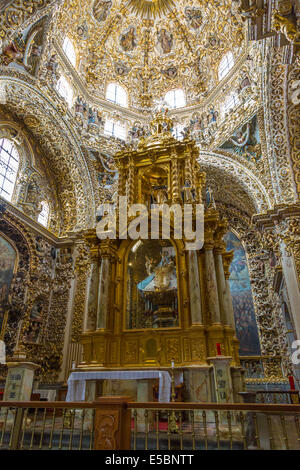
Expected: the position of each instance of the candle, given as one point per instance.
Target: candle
(173, 364)
(292, 382)
(218, 346)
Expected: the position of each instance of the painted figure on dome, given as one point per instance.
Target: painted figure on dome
(128, 40)
(193, 16)
(165, 40)
(101, 9)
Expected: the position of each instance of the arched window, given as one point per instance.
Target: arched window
(177, 132)
(175, 98)
(231, 102)
(9, 164)
(69, 50)
(114, 129)
(65, 90)
(116, 94)
(43, 218)
(226, 65)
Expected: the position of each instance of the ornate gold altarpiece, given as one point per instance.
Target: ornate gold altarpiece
(205, 312)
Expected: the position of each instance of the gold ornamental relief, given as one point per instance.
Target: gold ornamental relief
(131, 352)
(150, 8)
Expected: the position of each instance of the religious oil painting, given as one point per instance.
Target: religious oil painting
(240, 286)
(152, 291)
(7, 264)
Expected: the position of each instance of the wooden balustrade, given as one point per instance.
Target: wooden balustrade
(116, 423)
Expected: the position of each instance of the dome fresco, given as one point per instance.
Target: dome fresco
(151, 47)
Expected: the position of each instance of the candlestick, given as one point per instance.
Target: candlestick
(292, 382)
(172, 424)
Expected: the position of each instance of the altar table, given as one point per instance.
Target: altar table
(77, 382)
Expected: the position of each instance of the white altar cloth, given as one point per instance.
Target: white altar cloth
(77, 382)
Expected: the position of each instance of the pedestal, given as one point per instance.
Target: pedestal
(143, 397)
(222, 376)
(197, 382)
(19, 381)
(224, 390)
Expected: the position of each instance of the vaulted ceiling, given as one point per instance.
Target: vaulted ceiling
(152, 46)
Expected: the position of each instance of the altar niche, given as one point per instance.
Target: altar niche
(151, 286)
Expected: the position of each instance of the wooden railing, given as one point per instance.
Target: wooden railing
(120, 424)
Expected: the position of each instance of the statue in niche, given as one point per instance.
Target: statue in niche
(35, 322)
(193, 16)
(94, 118)
(13, 52)
(165, 41)
(212, 116)
(244, 82)
(152, 285)
(188, 193)
(34, 57)
(52, 70)
(128, 40)
(34, 47)
(32, 205)
(101, 9)
(137, 131)
(80, 105)
(210, 200)
(158, 191)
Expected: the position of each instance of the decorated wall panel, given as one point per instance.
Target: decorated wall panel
(240, 287)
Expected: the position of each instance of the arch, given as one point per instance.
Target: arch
(175, 98)
(19, 238)
(59, 141)
(117, 94)
(249, 181)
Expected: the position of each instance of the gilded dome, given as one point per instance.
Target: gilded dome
(151, 47)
